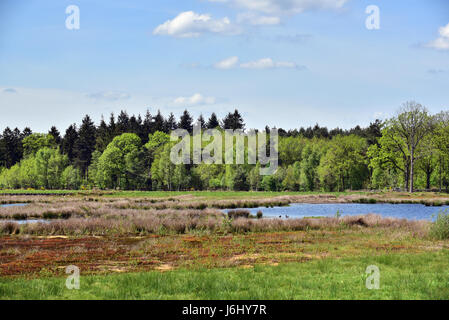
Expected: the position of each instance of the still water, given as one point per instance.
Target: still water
(20, 221)
(301, 210)
(13, 205)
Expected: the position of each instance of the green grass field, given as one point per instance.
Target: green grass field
(402, 276)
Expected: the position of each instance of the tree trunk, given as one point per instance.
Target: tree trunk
(411, 169)
(441, 171)
(406, 178)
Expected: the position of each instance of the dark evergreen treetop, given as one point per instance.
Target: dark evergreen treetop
(233, 121)
(55, 133)
(158, 122)
(186, 121)
(213, 122)
(147, 126)
(85, 144)
(11, 150)
(69, 141)
(201, 121)
(122, 122)
(103, 137)
(26, 132)
(170, 124)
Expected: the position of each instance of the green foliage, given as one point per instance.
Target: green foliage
(440, 228)
(115, 167)
(162, 169)
(36, 141)
(42, 170)
(71, 178)
(254, 178)
(240, 179)
(111, 156)
(344, 164)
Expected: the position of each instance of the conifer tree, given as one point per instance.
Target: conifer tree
(85, 145)
(213, 122)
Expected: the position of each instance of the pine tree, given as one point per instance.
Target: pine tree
(69, 141)
(170, 124)
(147, 126)
(112, 127)
(201, 121)
(158, 124)
(26, 132)
(11, 147)
(85, 145)
(186, 121)
(122, 123)
(233, 121)
(55, 133)
(102, 138)
(140, 128)
(212, 123)
(134, 125)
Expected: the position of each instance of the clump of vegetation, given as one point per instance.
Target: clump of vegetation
(440, 228)
(234, 214)
(9, 228)
(337, 214)
(259, 214)
(365, 200)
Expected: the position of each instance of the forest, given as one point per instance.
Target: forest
(409, 151)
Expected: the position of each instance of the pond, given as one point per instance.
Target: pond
(13, 205)
(27, 221)
(301, 210)
(20, 221)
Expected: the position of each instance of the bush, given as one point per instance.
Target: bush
(440, 228)
(259, 214)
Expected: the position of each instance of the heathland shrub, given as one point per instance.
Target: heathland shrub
(9, 228)
(440, 228)
(234, 214)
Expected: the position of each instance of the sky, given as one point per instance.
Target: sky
(283, 63)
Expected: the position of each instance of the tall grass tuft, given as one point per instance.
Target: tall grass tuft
(440, 228)
(234, 214)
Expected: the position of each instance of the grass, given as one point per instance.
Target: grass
(123, 240)
(440, 229)
(402, 276)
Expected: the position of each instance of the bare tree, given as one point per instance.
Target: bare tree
(411, 125)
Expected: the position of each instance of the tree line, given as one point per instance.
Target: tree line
(410, 150)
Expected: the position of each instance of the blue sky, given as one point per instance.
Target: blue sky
(287, 63)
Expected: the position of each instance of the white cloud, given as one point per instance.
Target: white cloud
(10, 90)
(109, 95)
(227, 63)
(264, 63)
(190, 24)
(268, 63)
(286, 6)
(257, 20)
(441, 43)
(195, 100)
